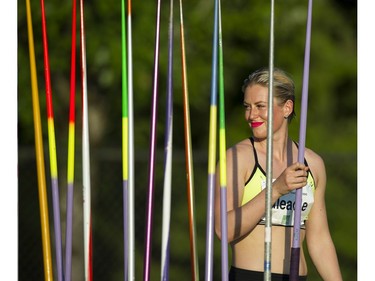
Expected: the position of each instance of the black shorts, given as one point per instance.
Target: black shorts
(238, 274)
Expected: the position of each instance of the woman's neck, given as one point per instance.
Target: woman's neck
(280, 146)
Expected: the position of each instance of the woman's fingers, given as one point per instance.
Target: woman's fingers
(294, 177)
(297, 176)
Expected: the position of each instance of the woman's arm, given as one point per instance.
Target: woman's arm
(319, 242)
(241, 219)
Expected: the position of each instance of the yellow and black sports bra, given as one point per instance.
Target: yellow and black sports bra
(283, 209)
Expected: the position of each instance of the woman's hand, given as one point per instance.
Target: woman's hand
(293, 177)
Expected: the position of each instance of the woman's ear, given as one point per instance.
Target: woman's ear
(288, 108)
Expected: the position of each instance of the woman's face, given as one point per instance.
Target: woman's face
(256, 111)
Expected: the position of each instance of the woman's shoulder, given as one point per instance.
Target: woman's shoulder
(240, 147)
(241, 157)
(241, 151)
(313, 157)
(315, 163)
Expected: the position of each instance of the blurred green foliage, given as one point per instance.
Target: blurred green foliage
(332, 117)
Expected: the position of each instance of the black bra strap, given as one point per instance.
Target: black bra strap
(254, 150)
(303, 157)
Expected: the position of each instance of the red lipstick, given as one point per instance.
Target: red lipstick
(255, 124)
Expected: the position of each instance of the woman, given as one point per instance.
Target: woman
(246, 178)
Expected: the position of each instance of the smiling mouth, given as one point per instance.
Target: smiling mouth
(256, 124)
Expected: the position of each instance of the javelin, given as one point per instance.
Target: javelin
(128, 143)
(189, 156)
(87, 221)
(222, 160)
(150, 198)
(52, 150)
(268, 223)
(70, 166)
(295, 252)
(168, 157)
(212, 154)
(125, 137)
(131, 273)
(48, 274)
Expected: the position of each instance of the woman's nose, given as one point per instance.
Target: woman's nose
(253, 113)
